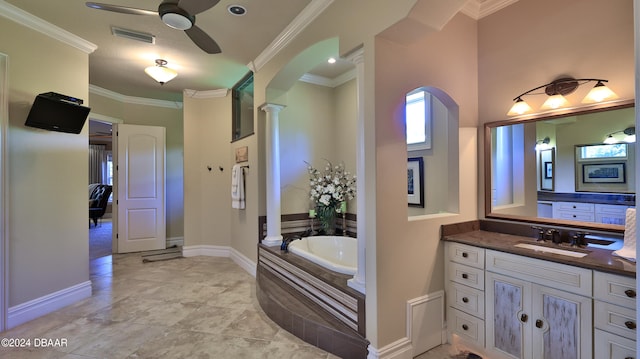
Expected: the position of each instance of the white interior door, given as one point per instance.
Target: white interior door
(139, 155)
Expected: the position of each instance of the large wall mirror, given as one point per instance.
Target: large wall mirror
(573, 169)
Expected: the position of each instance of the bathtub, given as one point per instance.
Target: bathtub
(336, 253)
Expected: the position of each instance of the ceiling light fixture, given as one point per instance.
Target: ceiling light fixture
(175, 17)
(629, 136)
(160, 72)
(557, 89)
(236, 10)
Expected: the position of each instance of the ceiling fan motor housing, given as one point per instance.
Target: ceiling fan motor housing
(175, 17)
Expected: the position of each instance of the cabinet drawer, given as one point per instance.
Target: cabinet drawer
(472, 277)
(574, 206)
(576, 216)
(467, 299)
(555, 275)
(616, 289)
(466, 326)
(610, 346)
(615, 319)
(469, 255)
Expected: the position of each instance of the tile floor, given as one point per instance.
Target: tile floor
(198, 307)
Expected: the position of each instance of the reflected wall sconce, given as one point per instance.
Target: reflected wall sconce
(543, 144)
(629, 136)
(160, 72)
(558, 89)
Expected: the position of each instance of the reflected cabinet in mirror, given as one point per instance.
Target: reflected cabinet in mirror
(575, 169)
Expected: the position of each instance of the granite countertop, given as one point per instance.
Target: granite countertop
(597, 258)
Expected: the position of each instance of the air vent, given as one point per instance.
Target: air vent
(133, 35)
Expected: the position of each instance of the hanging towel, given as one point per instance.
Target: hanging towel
(237, 187)
(628, 250)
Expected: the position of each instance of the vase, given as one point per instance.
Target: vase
(327, 218)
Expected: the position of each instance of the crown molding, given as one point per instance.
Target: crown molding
(477, 9)
(33, 22)
(327, 82)
(306, 16)
(206, 94)
(133, 100)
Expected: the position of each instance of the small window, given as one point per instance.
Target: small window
(593, 152)
(242, 111)
(418, 120)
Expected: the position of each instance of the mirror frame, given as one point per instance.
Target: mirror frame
(543, 117)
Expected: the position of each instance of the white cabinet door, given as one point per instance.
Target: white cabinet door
(563, 324)
(508, 316)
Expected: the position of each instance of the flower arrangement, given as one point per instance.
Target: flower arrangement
(330, 189)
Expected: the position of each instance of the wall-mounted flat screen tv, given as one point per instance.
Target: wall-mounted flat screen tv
(55, 112)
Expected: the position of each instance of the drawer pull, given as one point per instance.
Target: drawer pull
(629, 358)
(465, 276)
(630, 293)
(524, 318)
(465, 327)
(465, 254)
(630, 324)
(539, 323)
(465, 300)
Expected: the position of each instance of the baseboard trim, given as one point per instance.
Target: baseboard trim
(400, 349)
(175, 241)
(44, 305)
(221, 251)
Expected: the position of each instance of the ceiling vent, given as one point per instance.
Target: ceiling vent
(133, 35)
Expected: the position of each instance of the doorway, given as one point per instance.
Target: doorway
(100, 173)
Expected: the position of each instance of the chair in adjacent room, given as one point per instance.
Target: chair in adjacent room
(98, 201)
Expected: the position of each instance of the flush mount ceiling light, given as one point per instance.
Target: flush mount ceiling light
(236, 10)
(160, 72)
(557, 89)
(629, 134)
(173, 16)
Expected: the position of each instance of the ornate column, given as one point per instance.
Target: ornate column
(365, 199)
(272, 140)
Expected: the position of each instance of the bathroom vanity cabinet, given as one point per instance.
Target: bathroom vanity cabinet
(515, 306)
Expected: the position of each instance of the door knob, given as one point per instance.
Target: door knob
(524, 318)
(539, 323)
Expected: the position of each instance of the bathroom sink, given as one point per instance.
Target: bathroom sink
(564, 252)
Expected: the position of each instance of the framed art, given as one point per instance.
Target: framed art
(415, 182)
(603, 173)
(547, 158)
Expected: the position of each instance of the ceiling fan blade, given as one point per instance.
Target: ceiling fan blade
(204, 41)
(121, 9)
(195, 7)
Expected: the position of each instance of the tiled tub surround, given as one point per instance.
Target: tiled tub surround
(503, 236)
(311, 302)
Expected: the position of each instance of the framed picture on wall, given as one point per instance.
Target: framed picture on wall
(415, 182)
(603, 173)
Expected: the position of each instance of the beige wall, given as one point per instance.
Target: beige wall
(47, 171)
(207, 133)
(171, 119)
(318, 124)
(409, 253)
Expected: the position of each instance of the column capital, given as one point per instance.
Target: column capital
(272, 107)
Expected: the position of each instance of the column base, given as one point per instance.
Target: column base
(272, 241)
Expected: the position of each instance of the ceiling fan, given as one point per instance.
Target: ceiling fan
(178, 14)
